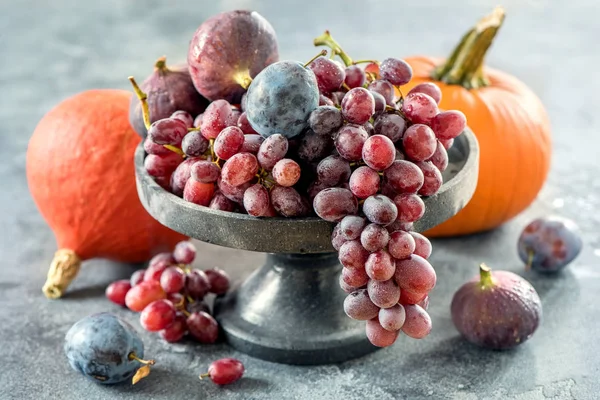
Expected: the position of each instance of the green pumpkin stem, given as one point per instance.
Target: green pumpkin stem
(464, 67)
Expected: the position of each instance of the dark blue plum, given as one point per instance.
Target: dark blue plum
(281, 98)
(99, 346)
(549, 244)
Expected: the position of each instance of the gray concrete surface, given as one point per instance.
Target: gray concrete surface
(51, 50)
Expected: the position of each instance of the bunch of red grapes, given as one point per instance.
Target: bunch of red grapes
(365, 161)
(170, 295)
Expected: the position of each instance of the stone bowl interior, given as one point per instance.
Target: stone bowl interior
(297, 235)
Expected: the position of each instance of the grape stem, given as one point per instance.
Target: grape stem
(485, 276)
(174, 149)
(365, 62)
(464, 67)
(327, 40)
(321, 54)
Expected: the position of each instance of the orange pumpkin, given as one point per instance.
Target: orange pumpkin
(81, 176)
(509, 121)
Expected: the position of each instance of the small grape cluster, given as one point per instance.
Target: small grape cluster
(170, 295)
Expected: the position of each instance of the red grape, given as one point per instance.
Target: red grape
(384, 294)
(197, 306)
(391, 319)
(176, 331)
(400, 226)
(325, 120)
(203, 327)
(240, 168)
(355, 77)
(432, 178)
(378, 152)
(139, 296)
(333, 204)
(373, 69)
(374, 237)
(314, 147)
(218, 279)
(351, 226)
(220, 202)
(216, 118)
(256, 200)
(385, 89)
(380, 209)
(197, 284)
(355, 277)
(345, 287)
(415, 274)
(352, 255)
(198, 192)
(117, 291)
(396, 71)
(198, 120)
(167, 131)
(184, 117)
(419, 108)
(172, 280)
(181, 175)
(157, 265)
(272, 150)
(428, 88)
(410, 207)
(337, 239)
(330, 75)
(449, 124)
(422, 245)
(325, 101)
(380, 266)
(157, 315)
(349, 142)
(364, 182)
(286, 172)
(225, 371)
(378, 336)
(357, 305)
(228, 142)
(380, 103)
(401, 245)
(333, 170)
(137, 277)
(440, 157)
(288, 202)
(179, 302)
(404, 177)
(152, 148)
(424, 303)
(233, 193)
(419, 142)
(252, 144)
(205, 171)
(245, 126)
(390, 125)
(162, 165)
(358, 105)
(408, 297)
(446, 143)
(417, 324)
(234, 117)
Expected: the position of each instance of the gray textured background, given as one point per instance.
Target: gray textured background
(51, 50)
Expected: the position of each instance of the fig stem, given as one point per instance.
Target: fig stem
(243, 79)
(161, 64)
(327, 40)
(321, 54)
(143, 99)
(485, 276)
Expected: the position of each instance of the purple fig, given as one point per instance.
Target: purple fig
(169, 89)
(228, 50)
(497, 310)
(549, 244)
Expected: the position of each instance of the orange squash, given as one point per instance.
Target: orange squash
(509, 121)
(81, 176)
